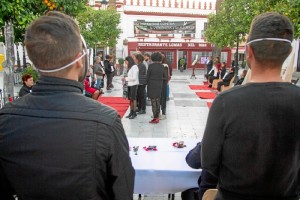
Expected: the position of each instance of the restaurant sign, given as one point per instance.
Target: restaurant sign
(176, 27)
(167, 45)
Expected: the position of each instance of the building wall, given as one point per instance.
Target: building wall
(175, 44)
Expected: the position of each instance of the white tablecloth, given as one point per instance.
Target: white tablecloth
(163, 171)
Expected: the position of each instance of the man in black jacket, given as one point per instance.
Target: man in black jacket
(226, 79)
(55, 143)
(209, 64)
(109, 71)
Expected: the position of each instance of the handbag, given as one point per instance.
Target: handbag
(125, 90)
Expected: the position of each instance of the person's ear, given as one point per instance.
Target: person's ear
(79, 63)
(250, 52)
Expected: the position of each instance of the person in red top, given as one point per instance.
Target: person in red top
(94, 93)
(217, 63)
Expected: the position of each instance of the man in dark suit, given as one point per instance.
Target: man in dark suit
(209, 64)
(226, 79)
(109, 71)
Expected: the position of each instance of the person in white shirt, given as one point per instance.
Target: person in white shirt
(133, 82)
(213, 74)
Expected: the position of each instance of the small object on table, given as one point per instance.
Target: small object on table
(135, 149)
(150, 148)
(179, 144)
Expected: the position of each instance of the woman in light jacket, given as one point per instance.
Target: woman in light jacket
(133, 82)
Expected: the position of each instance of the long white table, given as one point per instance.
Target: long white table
(163, 171)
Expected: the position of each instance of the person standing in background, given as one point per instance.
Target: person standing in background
(109, 71)
(166, 61)
(155, 76)
(133, 82)
(142, 84)
(99, 71)
(209, 64)
(163, 98)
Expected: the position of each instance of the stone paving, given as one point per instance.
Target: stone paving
(186, 115)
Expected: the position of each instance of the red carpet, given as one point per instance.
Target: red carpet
(206, 95)
(209, 104)
(200, 87)
(205, 83)
(118, 103)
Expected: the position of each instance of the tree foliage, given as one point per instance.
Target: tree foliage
(23, 12)
(234, 17)
(99, 26)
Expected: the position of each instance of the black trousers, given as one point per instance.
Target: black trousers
(141, 98)
(109, 78)
(220, 85)
(211, 79)
(155, 107)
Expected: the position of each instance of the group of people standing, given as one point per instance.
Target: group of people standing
(94, 81)
(153, 72)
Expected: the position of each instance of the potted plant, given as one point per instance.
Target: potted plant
(30, 70)
(181, 62)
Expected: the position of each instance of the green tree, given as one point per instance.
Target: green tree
(99, 26)
(235, 16)
(15, 15)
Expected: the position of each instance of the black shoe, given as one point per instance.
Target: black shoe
(209, 86)
(142, 112)
(133, 115)
(130, 114)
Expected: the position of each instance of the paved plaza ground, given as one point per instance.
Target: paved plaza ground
(186, 115)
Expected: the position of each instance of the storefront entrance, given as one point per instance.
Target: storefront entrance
(174, 51)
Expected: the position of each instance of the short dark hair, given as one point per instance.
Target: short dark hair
(156, 57)
(139, 57)
(271, 25)
(147, 54)
(108, 57)
(130, 61)
(53, 41)
(25, 77)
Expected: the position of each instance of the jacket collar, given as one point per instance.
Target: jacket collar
(49, 83)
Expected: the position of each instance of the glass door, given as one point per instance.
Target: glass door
(180, 55)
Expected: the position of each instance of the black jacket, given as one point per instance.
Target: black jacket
(155, 76)
(57, 144)
(228, 78)
(107, 67)
(142, 74)
(206, 180)
(24, 90)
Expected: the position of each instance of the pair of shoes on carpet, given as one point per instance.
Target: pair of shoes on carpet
(154, 121)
